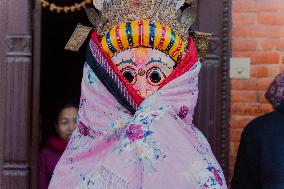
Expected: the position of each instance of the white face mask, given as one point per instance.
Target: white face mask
(144, 68)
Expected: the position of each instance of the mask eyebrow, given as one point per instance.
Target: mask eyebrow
(130, 61)
(156, 61)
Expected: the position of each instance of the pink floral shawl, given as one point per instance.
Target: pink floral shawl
(156, 148)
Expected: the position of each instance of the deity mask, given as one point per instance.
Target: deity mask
(144, 68)
(144, 52)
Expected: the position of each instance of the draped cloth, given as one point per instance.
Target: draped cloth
(124, 142)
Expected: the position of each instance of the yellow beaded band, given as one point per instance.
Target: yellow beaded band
(142, 33)
(66, 9)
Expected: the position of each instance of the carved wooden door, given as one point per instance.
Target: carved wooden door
(15, 85)
(17, 97)
(212, 113)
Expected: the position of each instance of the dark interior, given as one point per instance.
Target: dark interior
(61, 70)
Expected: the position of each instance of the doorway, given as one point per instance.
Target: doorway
(61, 70)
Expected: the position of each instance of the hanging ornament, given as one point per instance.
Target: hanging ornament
(65, 9)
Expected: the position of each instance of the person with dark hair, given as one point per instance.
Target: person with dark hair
(260, 159)
(65, 123)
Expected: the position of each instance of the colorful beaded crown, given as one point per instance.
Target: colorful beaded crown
(142, 33)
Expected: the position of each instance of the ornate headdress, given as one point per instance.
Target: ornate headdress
(165, 12)
(158, 24)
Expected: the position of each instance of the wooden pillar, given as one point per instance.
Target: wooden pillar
(15, 93)
(3, 26)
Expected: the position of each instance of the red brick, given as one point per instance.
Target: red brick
(279, 45)
(250, 109)
(243, 96)
(274, 70)
(252, 84)
(243, 45)
(270, 18)
(232, 161)
(235, 135)
(263, 83)
(234, 148)
(259, 71)
(272, 44)
(264, 57)
(244, 18)
(231, 173)
(267, 45)
(260, 97)
(240, 121)
(258, 31)
(257, 6)
(244, 84)
(265, 70)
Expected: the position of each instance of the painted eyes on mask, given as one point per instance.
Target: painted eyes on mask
(155, 76)
(129, 74)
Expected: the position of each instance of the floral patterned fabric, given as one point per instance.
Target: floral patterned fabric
(275, 92)
(156, 148)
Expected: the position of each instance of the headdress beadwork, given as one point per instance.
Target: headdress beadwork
(160, 24)
(142, 33)
(166, 12)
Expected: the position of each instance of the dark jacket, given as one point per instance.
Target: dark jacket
(48, 158)
(260, 159)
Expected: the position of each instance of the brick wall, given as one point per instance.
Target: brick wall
(257, 33)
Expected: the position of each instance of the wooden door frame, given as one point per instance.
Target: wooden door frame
(226, 86)
(3, 31)
(36, 33)
(216, 68)
(225, 103)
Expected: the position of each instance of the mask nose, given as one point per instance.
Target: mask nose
(142, 87)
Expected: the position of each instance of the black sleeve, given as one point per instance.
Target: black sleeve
(246, 167)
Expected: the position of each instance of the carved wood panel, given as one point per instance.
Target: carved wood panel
(3, 26)
(15, 92)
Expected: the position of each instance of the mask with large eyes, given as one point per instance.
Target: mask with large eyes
(144, 68)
